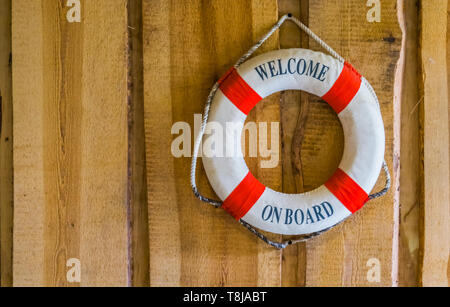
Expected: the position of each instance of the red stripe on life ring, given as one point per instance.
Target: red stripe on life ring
(344, 89)
(244, 196)
(349, 193)
(238, 91)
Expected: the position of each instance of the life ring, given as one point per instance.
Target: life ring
(346, 192)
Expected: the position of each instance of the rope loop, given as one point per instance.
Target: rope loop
(198, 141)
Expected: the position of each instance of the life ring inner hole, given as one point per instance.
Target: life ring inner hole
(310, 142)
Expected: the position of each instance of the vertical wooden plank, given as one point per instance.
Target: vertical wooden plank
(448, 87)
(448, 82)
(29, 211)
(188, 45)
(164, 242)
(436, 220)
(104, 138)
(6, 184)
(264, 16)
(410, 179)
(339, 257)
(138, 179)
(294, 109)
(71, 142)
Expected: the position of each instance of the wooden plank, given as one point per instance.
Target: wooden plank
(410, 179)
(340, 257)
(6, 158)
(70, 146)
(187, 46)
(294, 108)
(435, 211)
(448, 87)
(138, 180)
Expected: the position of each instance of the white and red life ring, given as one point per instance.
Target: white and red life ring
(243, 196)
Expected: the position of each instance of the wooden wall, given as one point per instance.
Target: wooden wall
(87, 112)
(6, 167)
(71, 152)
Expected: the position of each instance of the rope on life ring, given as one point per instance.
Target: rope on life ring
(350, 94)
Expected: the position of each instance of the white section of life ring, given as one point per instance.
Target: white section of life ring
(306, 213)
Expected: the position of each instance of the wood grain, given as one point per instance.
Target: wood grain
(448, 87)
(6, 156)
(410, 179)
(71, 142)
(435, 211)
(294, 109)
(187, 46)
(339, 257)
(137, 183)
(87, 94)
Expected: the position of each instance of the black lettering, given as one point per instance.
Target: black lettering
(309, 218)
(301, 61)
(272, 69)
(323, 72)
(268, 215)
(288, 220)
(318, 212)
(296, 217)
(276, 214)
(329, 211)
(281, 68)
(291, 71)
(312, 71)
(262, 72)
